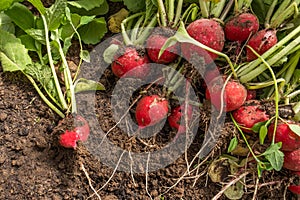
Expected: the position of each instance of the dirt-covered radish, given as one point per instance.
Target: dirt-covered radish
(249, 114)
(241, 26)
(261, 42)
(292, 160)
(294, 189)
(208, 32)
(290, 140)
(177, 117)
(131, 62)
(153, 46)
(151, 110)
(234, 94)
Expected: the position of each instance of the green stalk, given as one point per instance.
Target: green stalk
(246, 4)
(204, 8)
(146, 32)
(171, 10)
(178, 13)
(269, 13)
(134, 31)
(126, 39)
(162, 12)
(293, 8)
(283, 5)
(68, 78)
(56, 82)
(252, 65)
(186, 13)
(255, 72)
(44, 98)
(276, 92)
(255, 86)
(226, 10)
(217, 8)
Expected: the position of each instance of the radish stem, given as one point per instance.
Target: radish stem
(171, 10)
(162, 12)
(134, 31)
(204, 8)
(146, 32)
(269, 13)
(255, 86)
(226, 10)
(178, 13)
(292, 9)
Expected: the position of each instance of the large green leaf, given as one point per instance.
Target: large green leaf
(101, 10)
(4, 4)
(135, 6)
(93, 32)
(6, 24)
(55, 14)
(24, 19)
(13, 55)
(86, 4)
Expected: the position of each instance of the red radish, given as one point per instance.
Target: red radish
(294, 189)
(175, 118)
(234, 94)
(153, 46)
(69, 138)
(251, 94)
(290, 140)
(129, 60)
(240, 27)
(261, 42)
(150, 110)
(292, 160)
(249, 114)
(207, 32)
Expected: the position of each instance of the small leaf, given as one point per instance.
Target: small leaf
(6, 24)
(233, 144)
(85, 55)
(275, 156)
(263, 131)
(13, 55)
(235, 191)
(24, 19)
(295, 128)
(55, 14)
(93, 32)
(101, 10)
(86, 4)
(38, 5)
(109, 53)
(84, 85)
(256, 127)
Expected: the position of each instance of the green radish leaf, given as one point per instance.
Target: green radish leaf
(295, 128)
(151, 9)
(86, 4)
(6, 24)
(135, 6)
(37, 34)
(275, 156)
(38, 5)
(85, 55)
(5, 4)
(256, 127)
(55, 14)
(232, 145)
(259, 8)
(263, 132)
(101, 10)
(93, 32)
(28, 42)
(84, 85)
(109, 53)
(24, 19)
(13, 54)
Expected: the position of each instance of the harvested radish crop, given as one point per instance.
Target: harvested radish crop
(241, 27)
(234, 94)
(178, 116)
(207, 32)
(292, 160)
(290, 140)
(261, 42)
(249, 114)
(132, 63)
(151, 110)
(153, 46)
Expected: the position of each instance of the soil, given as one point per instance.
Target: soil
(34, 166)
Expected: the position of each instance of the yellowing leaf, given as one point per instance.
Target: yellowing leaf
(114, 22)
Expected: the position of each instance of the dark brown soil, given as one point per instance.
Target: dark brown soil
(34, 166)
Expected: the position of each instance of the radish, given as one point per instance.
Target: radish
(249, 114)
(207, 32)
(151, 110)
(153, 46)
(131, 63)
(290, 140)
(261, 42)
(240, 27)
(175, 118)
(234, 94)
(292, 160)
(69, 138)
(251, 94)
(294, 189)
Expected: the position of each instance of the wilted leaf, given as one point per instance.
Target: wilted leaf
(83, 85)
